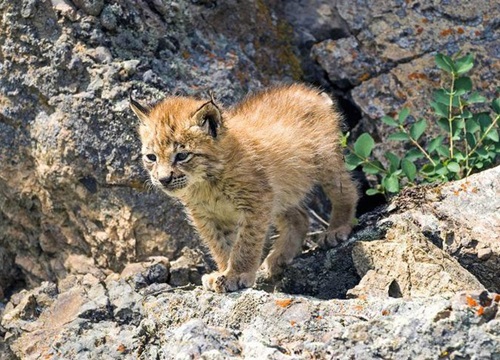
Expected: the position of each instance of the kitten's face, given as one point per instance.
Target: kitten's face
(179, 142)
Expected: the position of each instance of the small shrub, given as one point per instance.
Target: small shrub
(468, 141)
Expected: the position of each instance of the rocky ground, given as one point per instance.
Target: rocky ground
(414, 299)
(93, 265)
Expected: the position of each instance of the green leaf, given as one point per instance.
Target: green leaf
(471, 126)
(352, 161)
(445, 63)
(484, 121)
(372, 168)
(482, 152)
(476, 98)
(391, 183)
(466, 114)
(496, 105)
(434, 143)
(389, 121)
(471, 140)
(344, 138)
(441, 96)
(409, 169)
(458, 155)
(444, 124)
(443, 151)
(441, 169)
(440, 109)
(457, 126)
(371, 192)
(393, 161)
(399, 136)
(453, 167)
(414, 154)
(364, 145)
(463, 85)
(428, 169)
(492, 135)
(464, 64)
(403, 115)
(459, 123)
(418, 129)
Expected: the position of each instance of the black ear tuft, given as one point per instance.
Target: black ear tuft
(209, 118)
(142, 112)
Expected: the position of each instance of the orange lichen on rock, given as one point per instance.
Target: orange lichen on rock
(364, 77)
(446, 32)
(470, 301)
(417, 76)
(283, 302)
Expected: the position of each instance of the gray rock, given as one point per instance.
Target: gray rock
(253, 324)
(387, 61)
(462, 218)
(407, 264)
(188, 268)
(410, 302)
(91, 7)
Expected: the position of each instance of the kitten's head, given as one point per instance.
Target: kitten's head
(180, 138)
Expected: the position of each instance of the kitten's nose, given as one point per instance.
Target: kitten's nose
(166, 180)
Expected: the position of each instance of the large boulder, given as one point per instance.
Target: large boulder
(113, 319)
(386, 60)
(72, 196)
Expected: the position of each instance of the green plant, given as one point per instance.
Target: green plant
(468, 140)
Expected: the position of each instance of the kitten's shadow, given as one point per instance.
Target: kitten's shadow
(324, 274)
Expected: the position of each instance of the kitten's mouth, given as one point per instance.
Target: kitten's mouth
(176, 183)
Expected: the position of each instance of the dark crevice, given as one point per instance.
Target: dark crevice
(395, 290)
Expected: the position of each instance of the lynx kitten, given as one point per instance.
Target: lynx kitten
(239, 170)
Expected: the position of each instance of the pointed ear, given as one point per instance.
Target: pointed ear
(209, 118)
(142, 112)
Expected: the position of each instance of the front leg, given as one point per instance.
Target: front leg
(218, 241)
(245, 256)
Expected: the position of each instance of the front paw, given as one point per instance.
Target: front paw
(335, 236)
(227, 282)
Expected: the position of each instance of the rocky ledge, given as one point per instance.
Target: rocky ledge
(427, 290)
(89, 319)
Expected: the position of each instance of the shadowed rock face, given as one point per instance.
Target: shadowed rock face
(72, 198)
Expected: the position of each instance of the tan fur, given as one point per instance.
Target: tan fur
(251, 165)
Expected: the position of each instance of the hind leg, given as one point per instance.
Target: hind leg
(292, 226)
(343, 194)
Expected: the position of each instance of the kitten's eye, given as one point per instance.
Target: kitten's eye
(182, 156)
(150, 157)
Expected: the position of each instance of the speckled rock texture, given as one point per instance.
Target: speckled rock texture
(386, 61)
(90, 319)
(409, 298)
